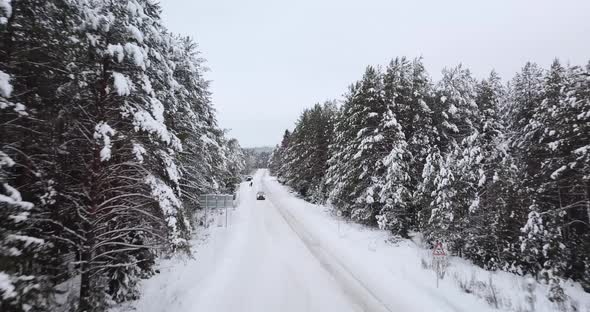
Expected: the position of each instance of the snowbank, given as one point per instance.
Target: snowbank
(399, 266)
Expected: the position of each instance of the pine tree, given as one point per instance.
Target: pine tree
(358, 147)
(407, 92)
(303, 162)
(487, 168)
(456, 117)
(575, 152)
(104, 99)
(500, 173)
(533, 152)
(235, 164)
(526, 94)
(20, 248)
(277, 161)
(33, 65)
(394, 174)
(324, 136)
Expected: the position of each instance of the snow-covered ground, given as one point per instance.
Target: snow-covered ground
(284, 254)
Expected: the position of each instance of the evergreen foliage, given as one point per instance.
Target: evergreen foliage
(108, 137)
(500, 172)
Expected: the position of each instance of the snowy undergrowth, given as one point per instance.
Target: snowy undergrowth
(465, 286)
(178, 274)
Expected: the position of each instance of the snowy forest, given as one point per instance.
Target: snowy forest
(498, 171)
(107, 137)
(256, 157)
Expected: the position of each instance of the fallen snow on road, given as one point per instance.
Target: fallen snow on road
(284, 254)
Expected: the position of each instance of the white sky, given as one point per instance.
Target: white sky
(271, 59)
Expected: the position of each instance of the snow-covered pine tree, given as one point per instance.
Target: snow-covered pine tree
(525, 93)
(504, 176)
(574, 131)
(22, 251)
(420, 135)
(393, 172)
(324, 136)
(189, 119)
(483, 160)
(305, 159)
(443, 221)
(296, 169)
(487, 168)
(408, 91)
(278, 156)
(96, 97)
(340, 172)
(456, 117)
(235, 164)
(537, 146)
(555, 135)
(456, 112)
(357, 149)
(33, 67)
(526, 89)
(124, 180)
(393, 179)
(533, 238)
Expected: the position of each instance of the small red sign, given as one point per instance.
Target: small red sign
(438, 250)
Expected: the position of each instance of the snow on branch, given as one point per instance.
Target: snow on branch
(105, 132)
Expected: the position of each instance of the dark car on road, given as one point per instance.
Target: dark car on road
(260, 196)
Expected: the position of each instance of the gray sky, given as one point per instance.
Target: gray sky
(271, 59)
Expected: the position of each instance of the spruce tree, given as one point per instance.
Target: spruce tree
(358, 147)
(98, 103)
(456, 117)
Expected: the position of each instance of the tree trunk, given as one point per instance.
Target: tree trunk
(588, 201)
(84, 303)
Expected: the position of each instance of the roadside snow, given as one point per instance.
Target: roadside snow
(182, 278)
(395, 268)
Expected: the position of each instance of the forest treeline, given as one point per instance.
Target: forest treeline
(107, 137)
(256, 157)
(498, 171)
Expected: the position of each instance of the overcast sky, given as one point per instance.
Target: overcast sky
(270, 59)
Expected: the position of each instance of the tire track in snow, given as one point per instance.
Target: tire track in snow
(357, 291)
(315, 246)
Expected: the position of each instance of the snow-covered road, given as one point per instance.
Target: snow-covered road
(272, 268)
(282, 254)
(264, 261)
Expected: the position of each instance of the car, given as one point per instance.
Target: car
(248, 178)
(260, 196)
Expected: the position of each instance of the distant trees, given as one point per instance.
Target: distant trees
(257, 157)
(301, 158)
(108, 137)
(498, 171)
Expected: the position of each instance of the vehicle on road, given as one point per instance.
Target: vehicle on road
(260, 196)
(248, 178)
